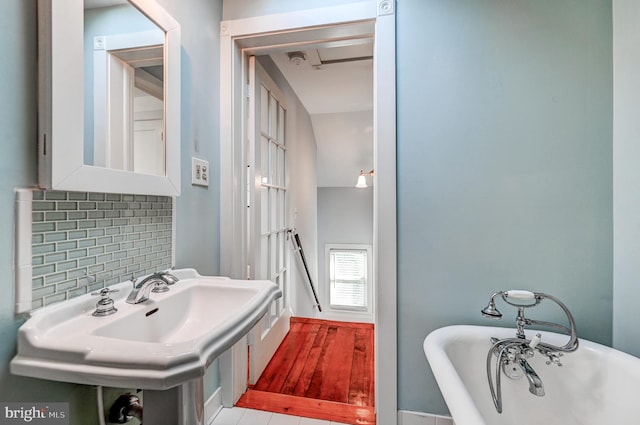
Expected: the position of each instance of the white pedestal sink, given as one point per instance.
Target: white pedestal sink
(162, 345)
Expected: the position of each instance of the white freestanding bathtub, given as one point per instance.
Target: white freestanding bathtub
(596, 385)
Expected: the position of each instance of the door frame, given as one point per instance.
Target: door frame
(250, 35)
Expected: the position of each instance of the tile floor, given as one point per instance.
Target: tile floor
(241, 416)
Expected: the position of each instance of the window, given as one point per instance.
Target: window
(349, 276)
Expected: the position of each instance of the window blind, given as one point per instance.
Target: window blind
(348, 279)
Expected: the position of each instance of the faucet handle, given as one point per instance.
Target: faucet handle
(104, 292)
(535, 340)
(554, 358)
(104, 306)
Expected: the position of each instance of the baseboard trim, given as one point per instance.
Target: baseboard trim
(308, 407)
(407, 417)
(213, 405)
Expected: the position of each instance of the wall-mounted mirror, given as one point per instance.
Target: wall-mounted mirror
(123, 88)
(110, 97)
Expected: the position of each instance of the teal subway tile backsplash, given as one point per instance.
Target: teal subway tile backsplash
(82, 242)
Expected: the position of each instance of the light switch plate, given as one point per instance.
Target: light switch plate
(199, 172)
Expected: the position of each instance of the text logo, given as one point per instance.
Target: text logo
(34, 413)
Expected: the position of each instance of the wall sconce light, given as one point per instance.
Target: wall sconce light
(362, 179)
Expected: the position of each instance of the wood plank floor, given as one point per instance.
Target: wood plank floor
(323, 370)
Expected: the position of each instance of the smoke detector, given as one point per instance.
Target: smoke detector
(296, 58)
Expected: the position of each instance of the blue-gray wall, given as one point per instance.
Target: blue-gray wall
(504, 166)
(18, 168)
(238, 9)
(197, 209)
(626, 176)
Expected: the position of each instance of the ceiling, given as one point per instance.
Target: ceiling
(332, 79)
(335, 85)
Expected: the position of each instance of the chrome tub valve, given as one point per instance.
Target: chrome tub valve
(512, 353)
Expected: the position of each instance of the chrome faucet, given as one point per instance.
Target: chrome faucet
(167, 280)
(535, 383)
(512, 353)
(157, 282)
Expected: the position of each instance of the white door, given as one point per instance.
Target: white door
(148, 147)
(267, 255)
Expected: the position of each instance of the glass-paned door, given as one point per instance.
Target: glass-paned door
(267, 193)
(273, 230)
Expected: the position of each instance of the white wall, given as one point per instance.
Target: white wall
(345, 216)
(345, 146)
(626, 175)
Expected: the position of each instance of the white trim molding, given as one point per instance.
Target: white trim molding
(23, 268)
(386, 7)
(406, 417)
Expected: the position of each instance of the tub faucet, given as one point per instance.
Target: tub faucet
(535, 383)
(512, 353)
(157, 282)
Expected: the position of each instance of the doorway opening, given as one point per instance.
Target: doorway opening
(261, 35)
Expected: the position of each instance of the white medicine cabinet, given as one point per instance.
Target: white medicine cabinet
(109, 109)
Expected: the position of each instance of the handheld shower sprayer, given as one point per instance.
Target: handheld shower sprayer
(491, 312)
(526, 299)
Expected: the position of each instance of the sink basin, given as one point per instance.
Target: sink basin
(187, 313)
(158, 344)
